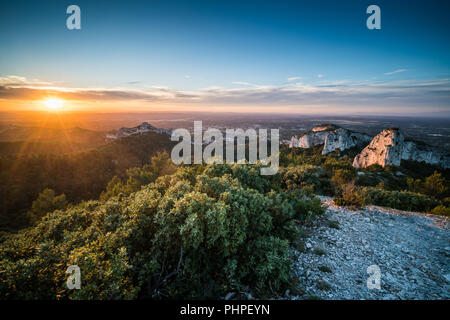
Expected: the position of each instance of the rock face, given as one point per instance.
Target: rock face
(423, 152)
(342, 139)
(314, 137)
(332, 138)
(385, 149)
(390, 148)
(143, 127)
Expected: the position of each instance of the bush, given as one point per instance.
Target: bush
(306, 209)
(351, 196)
(47, 201)
(308, 178)
(434, 185)
(441, 211)
(183, 236)
(342, 177)
(403, 200)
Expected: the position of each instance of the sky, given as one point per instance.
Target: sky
(274, 56)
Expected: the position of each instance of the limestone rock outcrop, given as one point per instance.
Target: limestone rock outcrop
(422, 152)
(331, 137)
(390, 148)
(385, 149)
(142, 128)
(314, 137)
(343, 139)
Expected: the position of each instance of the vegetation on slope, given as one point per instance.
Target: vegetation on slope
(200, 232)
(80, 176)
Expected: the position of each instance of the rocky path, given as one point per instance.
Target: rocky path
(411, 250)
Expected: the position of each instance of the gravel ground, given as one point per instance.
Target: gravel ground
(412, 251)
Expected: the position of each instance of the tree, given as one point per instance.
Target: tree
(46, 202)
(435, 185)
(114, 188)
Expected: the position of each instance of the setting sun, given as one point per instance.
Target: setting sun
(54, 104)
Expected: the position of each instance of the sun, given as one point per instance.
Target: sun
(54, 103)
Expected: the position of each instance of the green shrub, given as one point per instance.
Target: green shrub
(403, 200)
(47, 201)
(434, 185)
(441, 211)
(351, 196)
(342, 177)
(309, 178)
(186, 235)
(306, 209)
(325, 269)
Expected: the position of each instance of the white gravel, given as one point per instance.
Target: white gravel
(412, 251)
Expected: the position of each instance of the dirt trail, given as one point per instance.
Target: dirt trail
(412, 252)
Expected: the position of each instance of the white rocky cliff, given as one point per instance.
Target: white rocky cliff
(385, 149)
(390, 148)
(343, 139)
(332, 138)
(316, 136)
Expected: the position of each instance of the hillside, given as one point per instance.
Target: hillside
(19, 140)
(145, 228)
(79, 175)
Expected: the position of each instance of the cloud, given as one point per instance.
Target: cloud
(320, 76)
(293, 79)
(187, 76)
(396, 71)
(13, 81)
(332, 93)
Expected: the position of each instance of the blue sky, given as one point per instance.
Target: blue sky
(241, 53)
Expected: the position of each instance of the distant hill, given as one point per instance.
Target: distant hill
(16, 140)
(79, 175)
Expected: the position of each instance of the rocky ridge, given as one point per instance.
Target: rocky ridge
(142, 128)
(331, 137)
(343, 139)
(389, 147)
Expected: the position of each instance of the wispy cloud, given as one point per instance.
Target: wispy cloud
(320, 76)
(396, 71)
(13, 80)
(333, 93)
(293, 79)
